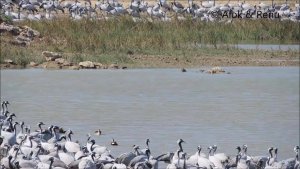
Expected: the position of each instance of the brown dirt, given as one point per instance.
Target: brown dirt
(148, 61)
(192, 62)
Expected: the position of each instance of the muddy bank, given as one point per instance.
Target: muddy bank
(147, 61)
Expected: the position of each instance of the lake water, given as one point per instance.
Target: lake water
(268, 47)
(264, 47)
(257, 106)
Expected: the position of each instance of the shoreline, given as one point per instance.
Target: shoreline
(125, 44)
(157, 62)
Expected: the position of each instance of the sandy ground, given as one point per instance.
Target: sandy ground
(199, 61)
(148, 61)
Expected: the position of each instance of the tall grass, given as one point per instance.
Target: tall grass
(99, 39)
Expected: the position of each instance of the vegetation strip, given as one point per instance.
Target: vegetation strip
(125, 42)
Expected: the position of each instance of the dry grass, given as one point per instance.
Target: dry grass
(114, 40)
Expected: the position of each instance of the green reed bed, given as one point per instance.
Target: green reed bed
(109, 41)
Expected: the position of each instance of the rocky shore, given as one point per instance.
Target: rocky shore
(24, 35)
(158, 62)
(55, 61)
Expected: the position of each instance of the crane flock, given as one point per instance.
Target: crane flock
(140, 10)
(53, 147)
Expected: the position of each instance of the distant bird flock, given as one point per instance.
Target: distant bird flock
(53, 147)
(140, 10)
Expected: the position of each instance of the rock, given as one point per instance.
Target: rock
(27, 35)
(74, 67)
(183, 70)
(105, 67)
(67, 63)
(215, 70)
(51, 56)
(60, 60)
(9, 61)
(23, 38)
(33, 64)
(87, 65)
(113, 66)
(98, 65)
(63, 62)
(52, 65)
(10, 66)
(14, 30)
(31, 32)
(19, 43)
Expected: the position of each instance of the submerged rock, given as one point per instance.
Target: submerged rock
(215, 70)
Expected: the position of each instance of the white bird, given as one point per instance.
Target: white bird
(87, 162)
(221, 156)
(29, 142)
(10, 137)
(67, 158)
(118, 166)
(143, 151)
(125, 158)
(3, 103)
(205, 163)
(7, 162)
(56, 164)
(98, 149)
(214, 159)
(176, 162)
(70, 146)
(193, 160)
(207, 4)
(177, 7)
